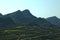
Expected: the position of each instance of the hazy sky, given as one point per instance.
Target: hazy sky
(39, 8)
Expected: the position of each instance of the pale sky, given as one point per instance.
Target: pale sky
(39, 8)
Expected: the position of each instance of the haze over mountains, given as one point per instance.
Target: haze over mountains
(26, 26)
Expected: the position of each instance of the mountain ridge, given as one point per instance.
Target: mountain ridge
(25, 17)
(22, 25)
(54, 20)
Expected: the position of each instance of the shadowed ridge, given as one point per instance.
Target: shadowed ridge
(54, 20)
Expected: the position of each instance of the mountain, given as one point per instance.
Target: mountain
(54, 20)
(6, 22)
(22, 25)
(21, 17)
(25, 18)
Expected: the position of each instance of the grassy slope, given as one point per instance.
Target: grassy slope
(30, 33)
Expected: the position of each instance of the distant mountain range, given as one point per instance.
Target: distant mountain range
(25, 18)
(22, 25)
(54, 20)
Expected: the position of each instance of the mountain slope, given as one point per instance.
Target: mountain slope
(54, 20)
(22, 17)
(6, 22)
(22, 25)
(25, 18)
